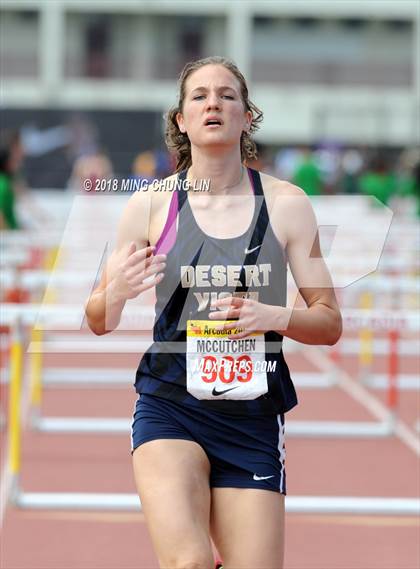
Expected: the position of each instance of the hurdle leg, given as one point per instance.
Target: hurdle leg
(14, 431)
(366, 341)
(36, 373)
(392, 399)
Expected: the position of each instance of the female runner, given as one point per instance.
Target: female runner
(208, 429)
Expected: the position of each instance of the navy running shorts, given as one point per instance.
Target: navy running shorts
(244, 451)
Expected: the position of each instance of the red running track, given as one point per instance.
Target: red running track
(97, 463)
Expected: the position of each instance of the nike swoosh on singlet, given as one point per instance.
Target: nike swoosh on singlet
(251, 250)
(256, 477)
(215, 392)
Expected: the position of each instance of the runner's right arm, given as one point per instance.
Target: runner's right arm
(129, 265)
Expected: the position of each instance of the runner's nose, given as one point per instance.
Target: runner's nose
(213, 101)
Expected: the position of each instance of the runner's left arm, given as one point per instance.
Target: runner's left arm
(320, 322)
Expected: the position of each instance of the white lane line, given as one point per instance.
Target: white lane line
(360, 394)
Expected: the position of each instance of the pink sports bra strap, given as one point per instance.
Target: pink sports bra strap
(168, 236)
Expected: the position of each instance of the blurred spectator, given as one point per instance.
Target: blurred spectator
(409, 185)
(378, 181)
(415, 187)
(11, 156)
(90, 161)
(93, 167)
(327, 158)
(408, 170)
(145, 166)
(286, 162)
(164, 166)
(352, 165)
(152, 164)
(308, 175)
(84, 136)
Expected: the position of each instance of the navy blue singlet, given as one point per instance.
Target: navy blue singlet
(260, 261)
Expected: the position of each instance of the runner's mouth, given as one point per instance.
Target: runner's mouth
(213, 122)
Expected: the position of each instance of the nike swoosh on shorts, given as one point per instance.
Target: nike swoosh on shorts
(256, 477)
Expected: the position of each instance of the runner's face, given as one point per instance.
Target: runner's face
(213, 112)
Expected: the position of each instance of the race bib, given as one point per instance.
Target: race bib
(219, 367)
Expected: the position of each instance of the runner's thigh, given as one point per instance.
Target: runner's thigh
(172, 478)
(248, 527)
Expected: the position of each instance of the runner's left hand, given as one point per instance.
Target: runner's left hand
(253, 316)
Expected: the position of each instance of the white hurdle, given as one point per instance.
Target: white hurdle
(87, 501)
(294, 504)
(383, 320)
(81, 425)
(306, 429)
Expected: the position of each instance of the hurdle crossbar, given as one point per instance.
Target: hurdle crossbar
(67, 315)
(35, 278)
(294, 504)
(123, 377)
(63, 501)
(318, 429)
(80, 425)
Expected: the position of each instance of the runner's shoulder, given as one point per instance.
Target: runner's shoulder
(284, 197)
(289, 207)
(274, 187)
(162, 192)
(152, 196)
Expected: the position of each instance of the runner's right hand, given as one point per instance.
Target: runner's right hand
(133, 268)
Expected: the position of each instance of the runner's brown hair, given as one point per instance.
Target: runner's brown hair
(179, 143)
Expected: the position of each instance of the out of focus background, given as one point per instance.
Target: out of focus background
(84, 86)
(338, 83)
